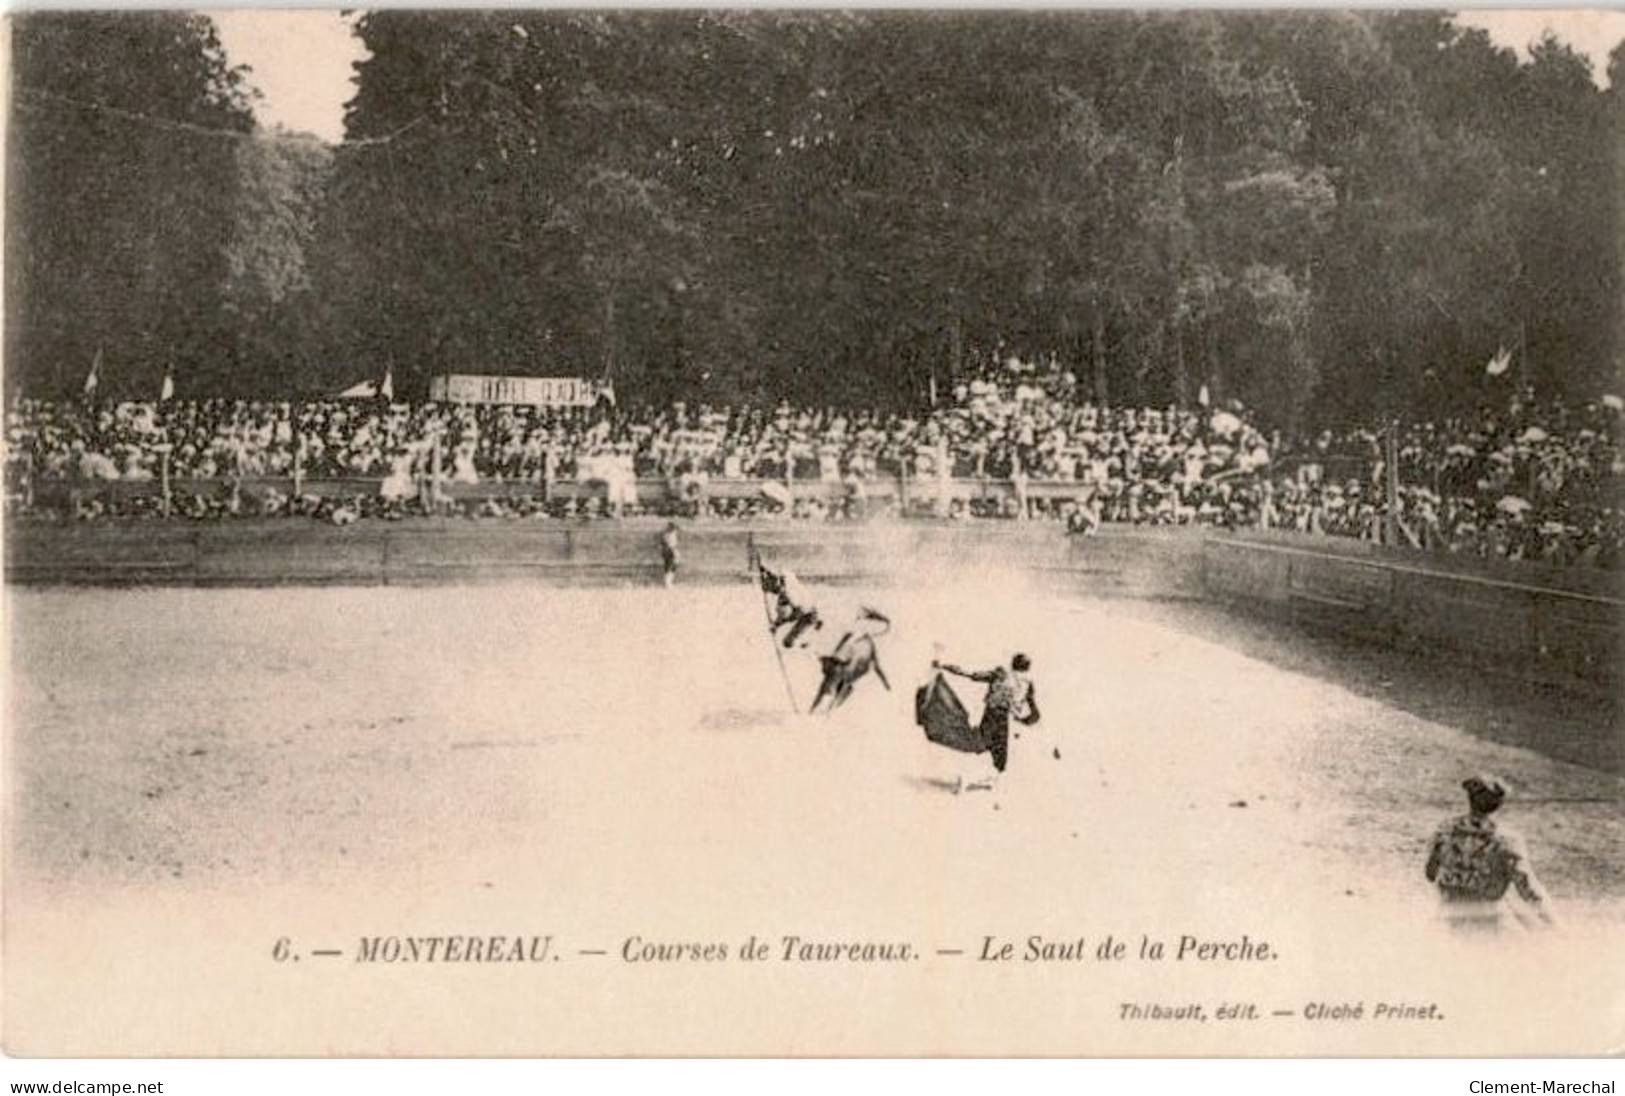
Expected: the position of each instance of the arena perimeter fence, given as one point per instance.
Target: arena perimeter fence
(1537, 631)
(1560, 625)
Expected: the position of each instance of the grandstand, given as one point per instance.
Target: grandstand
(1531, 481)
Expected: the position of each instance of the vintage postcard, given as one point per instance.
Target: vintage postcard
(746, 532)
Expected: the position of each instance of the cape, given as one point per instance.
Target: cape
(939, 711)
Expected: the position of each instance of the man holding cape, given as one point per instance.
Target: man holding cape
(1010, 695)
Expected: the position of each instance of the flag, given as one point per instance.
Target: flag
(167, 392)
(1202, 396)
(777, 583)
(1498, 364)
(387, 389)
(365, 390)
(93, 379)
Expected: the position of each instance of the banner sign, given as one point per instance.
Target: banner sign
(535, 391)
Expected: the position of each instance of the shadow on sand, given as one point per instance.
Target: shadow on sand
(952, 787)
(742, 719)
(1582, 726)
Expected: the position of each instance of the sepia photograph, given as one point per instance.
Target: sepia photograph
(759, 532)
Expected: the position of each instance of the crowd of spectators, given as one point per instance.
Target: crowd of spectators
(1529, 480)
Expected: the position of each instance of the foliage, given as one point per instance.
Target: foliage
(1327, 216)
(116, 228)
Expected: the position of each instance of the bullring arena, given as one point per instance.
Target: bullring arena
(259, 753)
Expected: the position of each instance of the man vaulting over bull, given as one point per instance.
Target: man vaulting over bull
(843, 642)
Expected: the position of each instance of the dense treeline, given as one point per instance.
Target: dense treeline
(116, 233)
(1327, 216)
(148, 220)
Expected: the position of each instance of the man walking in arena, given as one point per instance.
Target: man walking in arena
(668, 554)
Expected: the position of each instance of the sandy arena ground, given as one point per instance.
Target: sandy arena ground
(196, 774)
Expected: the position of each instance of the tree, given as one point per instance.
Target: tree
(276, 319)
(121, 179)
(1321, 214)
(1569, 287)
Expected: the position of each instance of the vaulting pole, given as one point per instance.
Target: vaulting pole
(755, 559)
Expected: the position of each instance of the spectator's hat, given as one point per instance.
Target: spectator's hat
(1484, 790)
